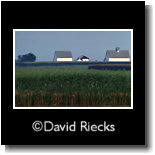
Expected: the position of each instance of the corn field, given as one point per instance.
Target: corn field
(62, 87)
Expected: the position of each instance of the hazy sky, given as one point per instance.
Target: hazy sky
(93, 44)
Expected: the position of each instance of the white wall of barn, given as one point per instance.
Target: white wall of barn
(83, 60)
(64, 59)
(119, 59)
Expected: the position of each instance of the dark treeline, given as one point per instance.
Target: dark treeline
(37, 64)
(30, 57)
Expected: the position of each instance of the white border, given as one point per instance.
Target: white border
(131, 30)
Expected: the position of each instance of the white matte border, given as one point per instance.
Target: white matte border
(14, 30)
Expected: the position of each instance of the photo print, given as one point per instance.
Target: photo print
(75, 68)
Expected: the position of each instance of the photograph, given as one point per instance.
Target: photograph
(74, 74)
(73, 68)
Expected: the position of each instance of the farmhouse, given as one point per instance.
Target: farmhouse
(82, 58)
(62, 56)
(117, 55)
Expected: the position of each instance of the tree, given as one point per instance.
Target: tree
(19, 57)
(27, 57)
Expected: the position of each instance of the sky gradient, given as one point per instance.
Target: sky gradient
(93, 44)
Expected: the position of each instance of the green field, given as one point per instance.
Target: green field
(71, 87)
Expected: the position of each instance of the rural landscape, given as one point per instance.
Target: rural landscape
(84, 76)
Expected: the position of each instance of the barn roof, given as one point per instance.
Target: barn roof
(63, 54)
(120, 54)
(82, 57)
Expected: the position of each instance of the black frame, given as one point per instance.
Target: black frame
(129, 123)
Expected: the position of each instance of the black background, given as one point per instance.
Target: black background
(129, 123)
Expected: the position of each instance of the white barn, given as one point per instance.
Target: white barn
(63, 56)
(117, 56)
(82, 58)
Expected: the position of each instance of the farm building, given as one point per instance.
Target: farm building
(117, 56)
(82, 58)
(62, 56)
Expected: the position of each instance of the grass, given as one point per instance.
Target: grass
(71, 86)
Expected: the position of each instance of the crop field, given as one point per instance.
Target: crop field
(111, 66)
(71, 87)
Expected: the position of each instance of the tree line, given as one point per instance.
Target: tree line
(30, 57)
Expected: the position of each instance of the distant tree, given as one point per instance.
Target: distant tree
(19, 57)
(27, 57)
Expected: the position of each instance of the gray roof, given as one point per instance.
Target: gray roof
(120, 54)
(63, 54)
(82, 57)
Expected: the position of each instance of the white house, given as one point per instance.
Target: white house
(62, 56)
(82, 58)
(117, 55)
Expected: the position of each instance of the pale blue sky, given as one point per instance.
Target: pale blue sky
(93, 44)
